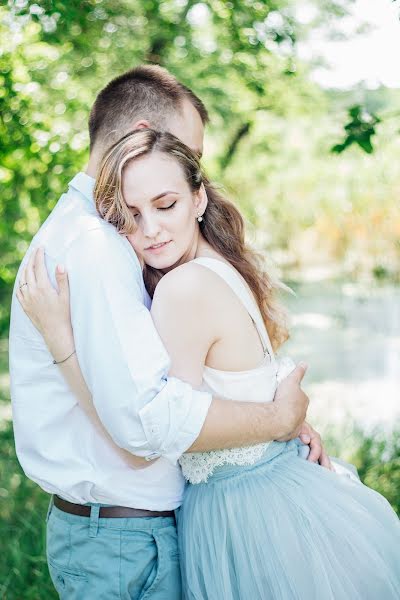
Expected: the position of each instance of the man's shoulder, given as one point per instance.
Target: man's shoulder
(74, 220)
(72, 214)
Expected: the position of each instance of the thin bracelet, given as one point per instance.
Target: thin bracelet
(58, 362)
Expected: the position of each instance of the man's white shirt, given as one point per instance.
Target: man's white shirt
(125, 366)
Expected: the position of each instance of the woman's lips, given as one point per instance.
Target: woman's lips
(157, 248)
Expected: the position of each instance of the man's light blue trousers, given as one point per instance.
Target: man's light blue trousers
(92, 558)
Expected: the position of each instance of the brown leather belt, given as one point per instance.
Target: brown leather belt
(108, 512)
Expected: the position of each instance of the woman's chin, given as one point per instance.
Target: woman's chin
(161, 263)
(165, 261)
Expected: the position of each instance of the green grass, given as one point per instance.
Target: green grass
(376, 456)
(23, 509)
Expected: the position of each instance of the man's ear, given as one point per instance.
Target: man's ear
(142, 124)
(201, 200)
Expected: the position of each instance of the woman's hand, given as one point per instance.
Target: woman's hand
(310, 437)
(48, 308)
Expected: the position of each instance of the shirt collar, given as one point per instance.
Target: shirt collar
(84, 184)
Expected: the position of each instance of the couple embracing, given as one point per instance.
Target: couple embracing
(147, 396)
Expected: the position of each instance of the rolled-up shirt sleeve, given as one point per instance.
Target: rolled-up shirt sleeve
(122, 358)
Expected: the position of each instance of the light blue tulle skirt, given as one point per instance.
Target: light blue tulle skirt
(287, 529)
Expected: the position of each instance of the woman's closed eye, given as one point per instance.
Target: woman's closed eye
(167, 207)
(137, 214)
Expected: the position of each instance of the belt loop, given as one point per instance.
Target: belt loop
(94, 520)
(50, 507)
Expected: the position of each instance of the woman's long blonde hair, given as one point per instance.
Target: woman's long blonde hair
(222, 225)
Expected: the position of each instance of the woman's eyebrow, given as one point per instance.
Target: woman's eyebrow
(162, 195)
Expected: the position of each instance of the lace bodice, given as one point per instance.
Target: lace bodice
(255, 385)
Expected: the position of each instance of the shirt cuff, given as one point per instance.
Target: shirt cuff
(172, 421)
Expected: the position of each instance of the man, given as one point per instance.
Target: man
(111, 530)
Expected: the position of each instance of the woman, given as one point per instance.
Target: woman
(257, 522)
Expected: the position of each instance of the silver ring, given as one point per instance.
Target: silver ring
(21, 286)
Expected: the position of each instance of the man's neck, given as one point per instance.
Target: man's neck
(93, 165)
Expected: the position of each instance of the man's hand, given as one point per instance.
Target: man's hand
(309, 436)
(291, 403)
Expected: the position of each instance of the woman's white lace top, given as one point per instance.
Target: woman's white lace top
(255, 385)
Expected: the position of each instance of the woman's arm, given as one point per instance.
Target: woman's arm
(184, 320)
(50, 313)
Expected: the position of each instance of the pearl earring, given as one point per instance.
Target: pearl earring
(199, 218)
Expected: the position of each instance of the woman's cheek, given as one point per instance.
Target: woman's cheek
(134, 242)
(184, 221)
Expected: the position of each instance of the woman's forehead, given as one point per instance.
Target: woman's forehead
(149, 176)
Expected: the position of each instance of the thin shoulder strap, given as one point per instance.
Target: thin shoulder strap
(234, 280)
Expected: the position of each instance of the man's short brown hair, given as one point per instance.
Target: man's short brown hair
(146, 92)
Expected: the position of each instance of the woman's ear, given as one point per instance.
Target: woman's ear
(201, 200)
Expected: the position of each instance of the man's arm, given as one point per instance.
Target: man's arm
(234, 424)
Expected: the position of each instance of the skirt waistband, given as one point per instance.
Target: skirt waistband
(275, 450)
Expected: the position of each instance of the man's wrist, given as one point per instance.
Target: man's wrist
(285, 428)
(276, 423)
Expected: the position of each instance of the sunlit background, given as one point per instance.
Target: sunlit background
(351, 332)
(279, 78)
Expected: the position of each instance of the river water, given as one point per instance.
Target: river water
(349, 334)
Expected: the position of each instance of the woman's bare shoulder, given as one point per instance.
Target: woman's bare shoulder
(189, 281)
(183, 302)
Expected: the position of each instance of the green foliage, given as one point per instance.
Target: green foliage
(378, 461)
(310, 208)
(55, 56)
(376, 456)
(269, 137)
(359, 130)
(269, 141)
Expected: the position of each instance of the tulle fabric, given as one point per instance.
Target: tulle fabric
(287, 529)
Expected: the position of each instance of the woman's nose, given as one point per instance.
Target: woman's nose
(150, 227)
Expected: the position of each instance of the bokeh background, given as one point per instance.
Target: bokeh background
(304, 135)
